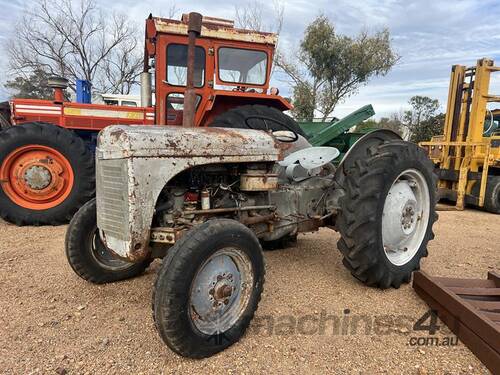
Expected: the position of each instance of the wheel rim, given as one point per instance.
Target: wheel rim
(104, 257)
(220, 291)
(405, 217)
(36, 177)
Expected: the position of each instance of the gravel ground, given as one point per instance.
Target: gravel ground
(53, 322)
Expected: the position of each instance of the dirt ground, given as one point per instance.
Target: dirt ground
(53, 322)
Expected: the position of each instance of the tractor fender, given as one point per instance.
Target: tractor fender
(223, 101)
(360, 149)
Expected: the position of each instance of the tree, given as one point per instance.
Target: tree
(393, 122)
(250, 16)
(330, 67)
(32, 87)
(77, 40)
(423, 120)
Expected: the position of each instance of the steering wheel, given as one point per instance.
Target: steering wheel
(287, 139)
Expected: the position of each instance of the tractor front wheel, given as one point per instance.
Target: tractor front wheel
(208, 288)
(46, 174)
(89, 257)
(387, 213)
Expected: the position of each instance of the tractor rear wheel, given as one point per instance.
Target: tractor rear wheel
(258, 117)
(387, 213)
(4, 122)
(46, 174)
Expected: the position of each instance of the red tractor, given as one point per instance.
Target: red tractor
(47, 147)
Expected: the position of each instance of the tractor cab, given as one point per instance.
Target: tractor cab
(231, 67)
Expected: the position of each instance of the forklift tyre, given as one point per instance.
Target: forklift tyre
(492, 194)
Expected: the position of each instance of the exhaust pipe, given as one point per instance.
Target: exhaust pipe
(146, 90)
(194, 30)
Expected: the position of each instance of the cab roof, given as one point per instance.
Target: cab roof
(214, 28)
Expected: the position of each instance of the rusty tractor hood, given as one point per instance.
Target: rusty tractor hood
(134, 164)
(122, 141)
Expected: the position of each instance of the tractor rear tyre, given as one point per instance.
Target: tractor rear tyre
(208, 288)
(387, 213)
(258, 117)
(4, 122)
(46, 174)
(88, 256)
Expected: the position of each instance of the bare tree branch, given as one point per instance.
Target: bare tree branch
(75, 39)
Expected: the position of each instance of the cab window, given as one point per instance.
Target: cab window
(177, 65)
(242, 66)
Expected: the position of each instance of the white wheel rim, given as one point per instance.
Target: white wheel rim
(405, 217)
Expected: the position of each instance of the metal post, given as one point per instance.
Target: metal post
(146, 90)
(194, 30)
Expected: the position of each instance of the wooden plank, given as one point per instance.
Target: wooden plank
(484, 352)
(495, 277)
(465, 283)
(484, 305)
(495, 317)
(462, 310)
(462, 291)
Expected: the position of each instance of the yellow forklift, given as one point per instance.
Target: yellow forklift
(467, 155)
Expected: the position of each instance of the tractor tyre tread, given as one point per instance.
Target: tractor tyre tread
(68, 144)
(359, 222)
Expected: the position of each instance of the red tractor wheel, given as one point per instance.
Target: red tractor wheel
(46, 174)
(36, 177)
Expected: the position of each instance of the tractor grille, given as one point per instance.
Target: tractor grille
(112, 197)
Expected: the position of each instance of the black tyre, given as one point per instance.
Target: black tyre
(4, 119)
(492, 197)
(387, 212)
(88, 256)
(47, 173)
(492, 194)
(258, 117)
(208, 288)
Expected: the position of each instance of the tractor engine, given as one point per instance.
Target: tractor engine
(259, 195)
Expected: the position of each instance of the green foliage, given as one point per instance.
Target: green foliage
(331, 67)
(32, 87)
(303, 103)
(366, 126)
(391, 123)
(423, 120)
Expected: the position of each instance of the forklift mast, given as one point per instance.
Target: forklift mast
(467, 154)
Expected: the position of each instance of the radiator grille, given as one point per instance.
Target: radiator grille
(112, 201)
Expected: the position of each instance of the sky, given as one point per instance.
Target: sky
(429, 35)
